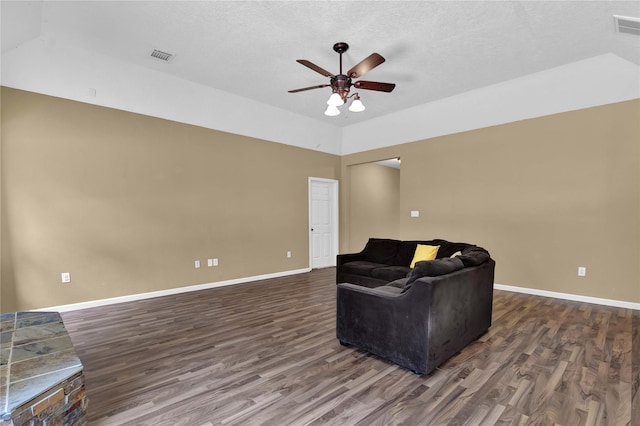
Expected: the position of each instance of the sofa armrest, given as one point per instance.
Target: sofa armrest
(462, 309)
(341, 259)
(393, 326)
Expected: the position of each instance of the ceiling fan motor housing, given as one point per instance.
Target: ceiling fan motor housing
(341, 84)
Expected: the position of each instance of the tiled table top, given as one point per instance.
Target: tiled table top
(35, 355)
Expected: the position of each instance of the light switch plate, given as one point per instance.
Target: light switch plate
(415, 213)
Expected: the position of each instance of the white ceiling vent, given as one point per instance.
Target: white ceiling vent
(627, 24)
(163, 56)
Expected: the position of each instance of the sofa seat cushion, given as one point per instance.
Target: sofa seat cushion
(387, 289)
(361, 267)
(399, 283)
(390, 273)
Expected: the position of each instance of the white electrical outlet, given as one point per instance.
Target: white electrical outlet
(288, 254)
(209, 263)
(215, 261)
(415, 213)
(582, 271)
(66, 277)
(197, 264)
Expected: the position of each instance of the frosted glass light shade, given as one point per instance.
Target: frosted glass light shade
(335, 100)
(332, 111)
(356, 106)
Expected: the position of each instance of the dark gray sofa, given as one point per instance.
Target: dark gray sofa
(420, 320)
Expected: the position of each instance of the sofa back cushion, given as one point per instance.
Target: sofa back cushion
(400, 253)
(424, 252)
(382, 250)
(447, 249)
(407, 249)
(435, 268)
(474, 256)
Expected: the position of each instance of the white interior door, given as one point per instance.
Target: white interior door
(323, 222)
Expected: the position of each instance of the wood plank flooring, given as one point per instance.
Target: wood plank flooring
(265, 353)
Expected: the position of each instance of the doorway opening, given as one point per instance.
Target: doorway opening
(374, 202)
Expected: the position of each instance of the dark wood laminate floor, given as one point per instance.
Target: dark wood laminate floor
(265, 353)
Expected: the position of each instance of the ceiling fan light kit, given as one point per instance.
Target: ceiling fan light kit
(356, 105)
(335, 100)
(341, 84)
(332, 111)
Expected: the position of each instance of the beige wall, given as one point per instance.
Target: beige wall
(126, 203)
(544, 196)
(374, 203)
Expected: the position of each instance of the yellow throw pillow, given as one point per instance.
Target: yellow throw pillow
(424, 252)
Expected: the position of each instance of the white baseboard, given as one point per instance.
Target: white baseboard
(566, 296)
(177, 290)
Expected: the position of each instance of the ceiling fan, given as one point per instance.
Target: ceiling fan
(342, 83)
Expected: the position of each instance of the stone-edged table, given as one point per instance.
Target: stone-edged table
(41, 377)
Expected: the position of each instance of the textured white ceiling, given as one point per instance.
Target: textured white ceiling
(434, 49)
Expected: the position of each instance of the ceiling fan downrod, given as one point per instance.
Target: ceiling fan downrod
(340, 47)
(341, 83)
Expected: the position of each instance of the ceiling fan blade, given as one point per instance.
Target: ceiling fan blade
(315, 67)
(374, 85)
(366, 65)
(319, 86)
